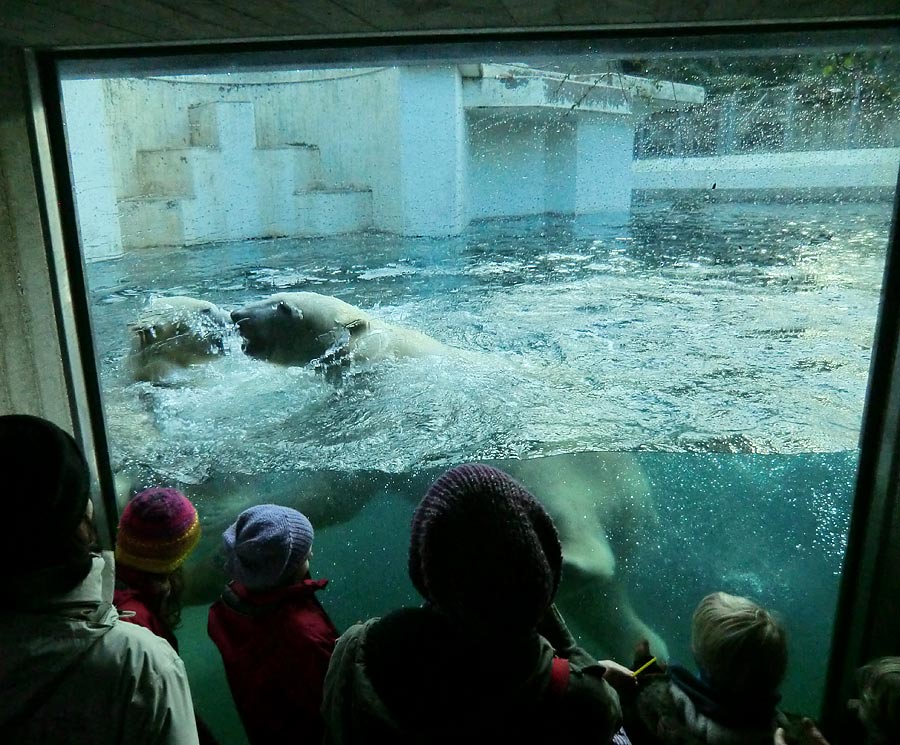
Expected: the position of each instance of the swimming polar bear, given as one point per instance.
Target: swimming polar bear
(298, 328)
(176, 332)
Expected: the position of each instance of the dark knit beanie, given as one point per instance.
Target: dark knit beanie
(484, 551)
(49, 490)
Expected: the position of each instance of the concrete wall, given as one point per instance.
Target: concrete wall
(91, 157)
(191, 159)
(212, 160)
(32, 380)
(432, 163)
(603, 176)
(800, 170)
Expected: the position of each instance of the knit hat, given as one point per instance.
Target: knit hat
(266, 545)
(48, 481)
(158, 530)
(484, 551)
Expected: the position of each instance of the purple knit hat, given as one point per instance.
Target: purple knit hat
(158, 529)
(484, 551)
(266, 545)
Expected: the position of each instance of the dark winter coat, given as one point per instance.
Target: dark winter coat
(679, 709)
(413, 678)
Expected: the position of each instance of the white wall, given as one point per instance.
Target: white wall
(90, 156)
(815, 169)
(261, 172)
(507, 163)
(604, 177)
(527, 161)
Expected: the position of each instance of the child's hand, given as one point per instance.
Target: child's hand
(619, 677)
(642, 655)
(809, 736)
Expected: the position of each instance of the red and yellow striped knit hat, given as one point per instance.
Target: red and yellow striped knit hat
(158, 530)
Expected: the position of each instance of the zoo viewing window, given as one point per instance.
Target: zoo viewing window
(643, 282)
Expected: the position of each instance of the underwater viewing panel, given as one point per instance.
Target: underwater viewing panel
(646, 286)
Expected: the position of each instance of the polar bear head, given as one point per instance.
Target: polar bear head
(176, 332)
(296, 328)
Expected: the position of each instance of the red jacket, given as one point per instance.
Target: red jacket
(131, 600)
(275, 646)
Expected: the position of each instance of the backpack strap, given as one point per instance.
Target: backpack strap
(559, 677)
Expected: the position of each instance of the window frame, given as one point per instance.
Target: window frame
(867, 615)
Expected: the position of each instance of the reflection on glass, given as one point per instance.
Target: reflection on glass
(646, 287)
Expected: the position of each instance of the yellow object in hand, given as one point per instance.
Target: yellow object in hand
(643, 667)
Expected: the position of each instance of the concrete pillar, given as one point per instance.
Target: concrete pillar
(560, 166)
(605, 147)
(432, 157)
(31, 370)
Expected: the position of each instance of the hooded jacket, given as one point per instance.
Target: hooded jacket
(413, 678)
(275, 647)
(71, 672)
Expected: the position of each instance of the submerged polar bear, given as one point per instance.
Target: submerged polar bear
(603, 509)
(176, 332)
(298, 328)
(601, 503)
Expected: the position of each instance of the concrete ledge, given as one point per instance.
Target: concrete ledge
(688, 199)
(334, 211)
(147, 222)
(792, 170)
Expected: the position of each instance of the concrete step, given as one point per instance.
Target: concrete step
(151, 221)
(333, 211)
(173, 221)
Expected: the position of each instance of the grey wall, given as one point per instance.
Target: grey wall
(31, 370)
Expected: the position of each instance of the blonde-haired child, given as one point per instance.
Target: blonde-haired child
(740, 650)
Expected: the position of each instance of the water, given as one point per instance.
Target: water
(719, 351)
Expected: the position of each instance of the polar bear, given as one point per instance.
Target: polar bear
(176, 332)
(603, 509)
(298, 328)
(601, 504)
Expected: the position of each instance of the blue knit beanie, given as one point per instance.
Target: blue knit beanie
(266, 545)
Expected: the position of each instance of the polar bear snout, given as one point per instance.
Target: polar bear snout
(245, 326)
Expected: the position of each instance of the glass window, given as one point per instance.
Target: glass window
(646, 285)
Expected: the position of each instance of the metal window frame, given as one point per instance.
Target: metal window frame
(868, 612)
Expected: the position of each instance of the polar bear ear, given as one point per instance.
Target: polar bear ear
(286, 309)
(356, 326)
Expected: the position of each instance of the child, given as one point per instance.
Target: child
(275, 638)
(877, 708)
(741, 653)
(158, 530)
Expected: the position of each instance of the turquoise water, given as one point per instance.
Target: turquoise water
(692, 374)
(768, 526)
